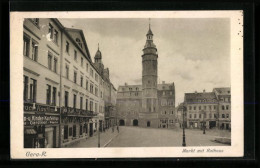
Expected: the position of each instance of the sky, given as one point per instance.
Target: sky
(194, 53)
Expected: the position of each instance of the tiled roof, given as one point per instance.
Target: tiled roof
(223, 91)
(200, 97)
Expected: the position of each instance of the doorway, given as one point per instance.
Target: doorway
(121, 122)
(135, 122)
(148, 123)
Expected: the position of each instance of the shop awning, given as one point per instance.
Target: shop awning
(30, 131)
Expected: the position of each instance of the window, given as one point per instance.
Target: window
(227, 115)
(101, 95)
(26, 46)
(215, 107)
(87, 67)
(91, 88)
(215, 115)
(66, 131)
(96, 77)
(190, 116)
(70, 131)
(66, 99)
(74, 130)
(223, 115)
(190, 107)
(75, 55)
(49, 61)
(227, 107)
(199, 115)
(51, 31)
(67, 71)
(210, 107)
(55, 65)
(34, 51)
(195, 115)
(54, 96)
(210, 115)
(75, 77)
(86, 104)
(35, 21)
(91, 72)
(205, 115)
(25, 88)
(33, 86)
(81, 81)
(79, 42)
(81, 102)
(199, 107)
(205, 107)
(96, 91)
(74, 101)
(223, 107)
(81, 61)
(48, 95)
(67, 46)
(55, 39)
(91, 105)
(96, 107)
(86, 84)
(194, 108)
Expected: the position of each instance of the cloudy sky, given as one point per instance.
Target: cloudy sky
(192, 53)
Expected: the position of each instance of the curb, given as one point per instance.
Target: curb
(111, 140)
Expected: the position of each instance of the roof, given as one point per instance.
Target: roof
(223, 91)
(208, 97)
(149, 32)
(165, 86)
(98, 54)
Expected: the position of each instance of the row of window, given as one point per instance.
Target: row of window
(89, 104)
(203, 116)
(165, 102)
(209, 107)
(165, 112)
(165, 121)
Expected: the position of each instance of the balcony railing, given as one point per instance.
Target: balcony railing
(77, 112)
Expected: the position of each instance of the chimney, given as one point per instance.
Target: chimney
(163, 82)
(204, 91)
(125, 84)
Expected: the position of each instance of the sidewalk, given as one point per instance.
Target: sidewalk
(105, 138)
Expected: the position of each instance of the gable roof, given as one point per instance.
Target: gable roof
(194, 98)
(82, 37)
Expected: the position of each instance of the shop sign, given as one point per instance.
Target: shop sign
(40, 108)
(30, 120)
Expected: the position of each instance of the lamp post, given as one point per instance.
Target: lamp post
(204, 125)
(183, 127)
(98, 133)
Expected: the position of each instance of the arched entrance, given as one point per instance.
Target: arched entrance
(148, 123)
(121, 122)
(135, 122)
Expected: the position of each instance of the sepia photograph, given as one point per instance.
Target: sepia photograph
(162, 81)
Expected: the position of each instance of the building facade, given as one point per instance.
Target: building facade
(63, 88)
(209, 109)
(149, 104)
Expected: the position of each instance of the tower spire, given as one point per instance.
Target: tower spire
(98, 46)
(149, 23)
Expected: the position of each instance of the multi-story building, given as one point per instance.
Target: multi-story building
(210, 109)
(224, 98)
(63, 89)
(149, 104)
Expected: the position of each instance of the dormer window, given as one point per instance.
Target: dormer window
(79, 42)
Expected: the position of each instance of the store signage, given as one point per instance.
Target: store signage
(40, 120)
(40, 108)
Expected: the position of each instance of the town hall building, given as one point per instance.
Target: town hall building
(149, 104)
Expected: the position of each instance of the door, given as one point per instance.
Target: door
(91, 129)
(121, 122)
(135, 122)
(148, 123)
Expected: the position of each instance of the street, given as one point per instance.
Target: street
(153, 137)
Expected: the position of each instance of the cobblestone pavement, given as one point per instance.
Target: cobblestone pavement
(152, 137)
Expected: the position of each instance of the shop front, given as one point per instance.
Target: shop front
(41, 126)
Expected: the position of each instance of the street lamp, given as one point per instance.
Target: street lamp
(183, 127)
(204, 125)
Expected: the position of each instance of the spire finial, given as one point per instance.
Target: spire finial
(149, 23)
(98, 46)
